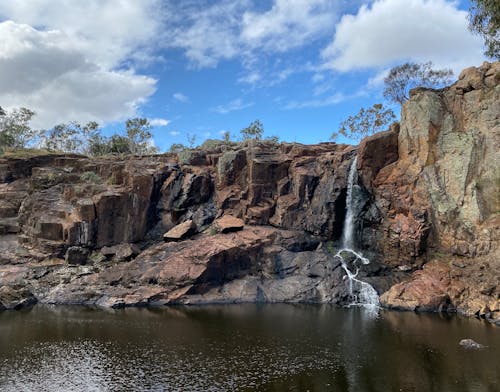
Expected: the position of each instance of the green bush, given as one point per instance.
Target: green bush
(90, 177)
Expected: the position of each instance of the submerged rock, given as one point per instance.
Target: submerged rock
(470, 344)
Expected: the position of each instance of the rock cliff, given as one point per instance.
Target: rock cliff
(256, 221)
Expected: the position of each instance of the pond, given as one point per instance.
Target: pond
(273, 347)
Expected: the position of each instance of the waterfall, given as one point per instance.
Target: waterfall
(361, 293)
(348, 235)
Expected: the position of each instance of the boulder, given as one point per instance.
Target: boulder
(426, 290)
(121, 252)
(15, 298)
(76, 255)
(181, 231)
(229, 223)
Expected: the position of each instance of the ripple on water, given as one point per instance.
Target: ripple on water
(277, 347)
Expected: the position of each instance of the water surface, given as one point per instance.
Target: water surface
(244, 348)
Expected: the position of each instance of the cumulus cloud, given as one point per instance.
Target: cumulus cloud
(73, 61)
(395, 30)
(174, 133)
(235, 104)
(159, 122)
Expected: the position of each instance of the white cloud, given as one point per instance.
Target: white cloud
(288, 24)
(174, 133)
(377, 80)
(251, 77)
(108, 31)
(209, 32)
(206, 33)
(180, 97)
(395, 30)
(159, 122)
(74, 60)
(235, 104)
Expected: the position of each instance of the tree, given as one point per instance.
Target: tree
(118, 144)
(191, 139)
(175, 148)
(253, 131)
(73, 137)
(62, 137)
(15, 131)
(484, 19)
(139, 134)
(403, 78)
(366, 122)
(226, 137)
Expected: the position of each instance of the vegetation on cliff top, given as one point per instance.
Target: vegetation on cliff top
(17, 137)
(397, 85)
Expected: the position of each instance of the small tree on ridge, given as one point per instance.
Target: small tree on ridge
(402, 78)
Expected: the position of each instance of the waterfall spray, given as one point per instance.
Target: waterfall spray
(361, 292)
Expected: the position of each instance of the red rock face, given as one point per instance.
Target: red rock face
(428, 191)
(441, 196)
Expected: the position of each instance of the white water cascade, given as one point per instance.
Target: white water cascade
(362, 293)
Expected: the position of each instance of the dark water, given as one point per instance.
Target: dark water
(243, 347)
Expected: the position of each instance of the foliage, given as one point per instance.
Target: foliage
(185, 156)
(15, 131)
(402, 78)
(253, 131)
(275, 140)
(138, 131)
(176, 148)
(366, 122)
(212, 144)
(63, 137)
(226, 136)
(330, 247)
(484, 19)
(16, 134)
(90, 177)
(191, 139)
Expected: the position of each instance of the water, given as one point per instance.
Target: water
(348, 234)
(360, 293)
(243, 348)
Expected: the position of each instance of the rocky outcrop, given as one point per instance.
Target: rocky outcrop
(242, 223)
(257, 221)
(441, 195)
(439, 200)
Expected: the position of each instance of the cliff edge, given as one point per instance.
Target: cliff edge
(257, 221)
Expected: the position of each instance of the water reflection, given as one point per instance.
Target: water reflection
(243, 347)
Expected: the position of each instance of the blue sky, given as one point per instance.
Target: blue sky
(203, 67)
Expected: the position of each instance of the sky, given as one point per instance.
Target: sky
(203, 67)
